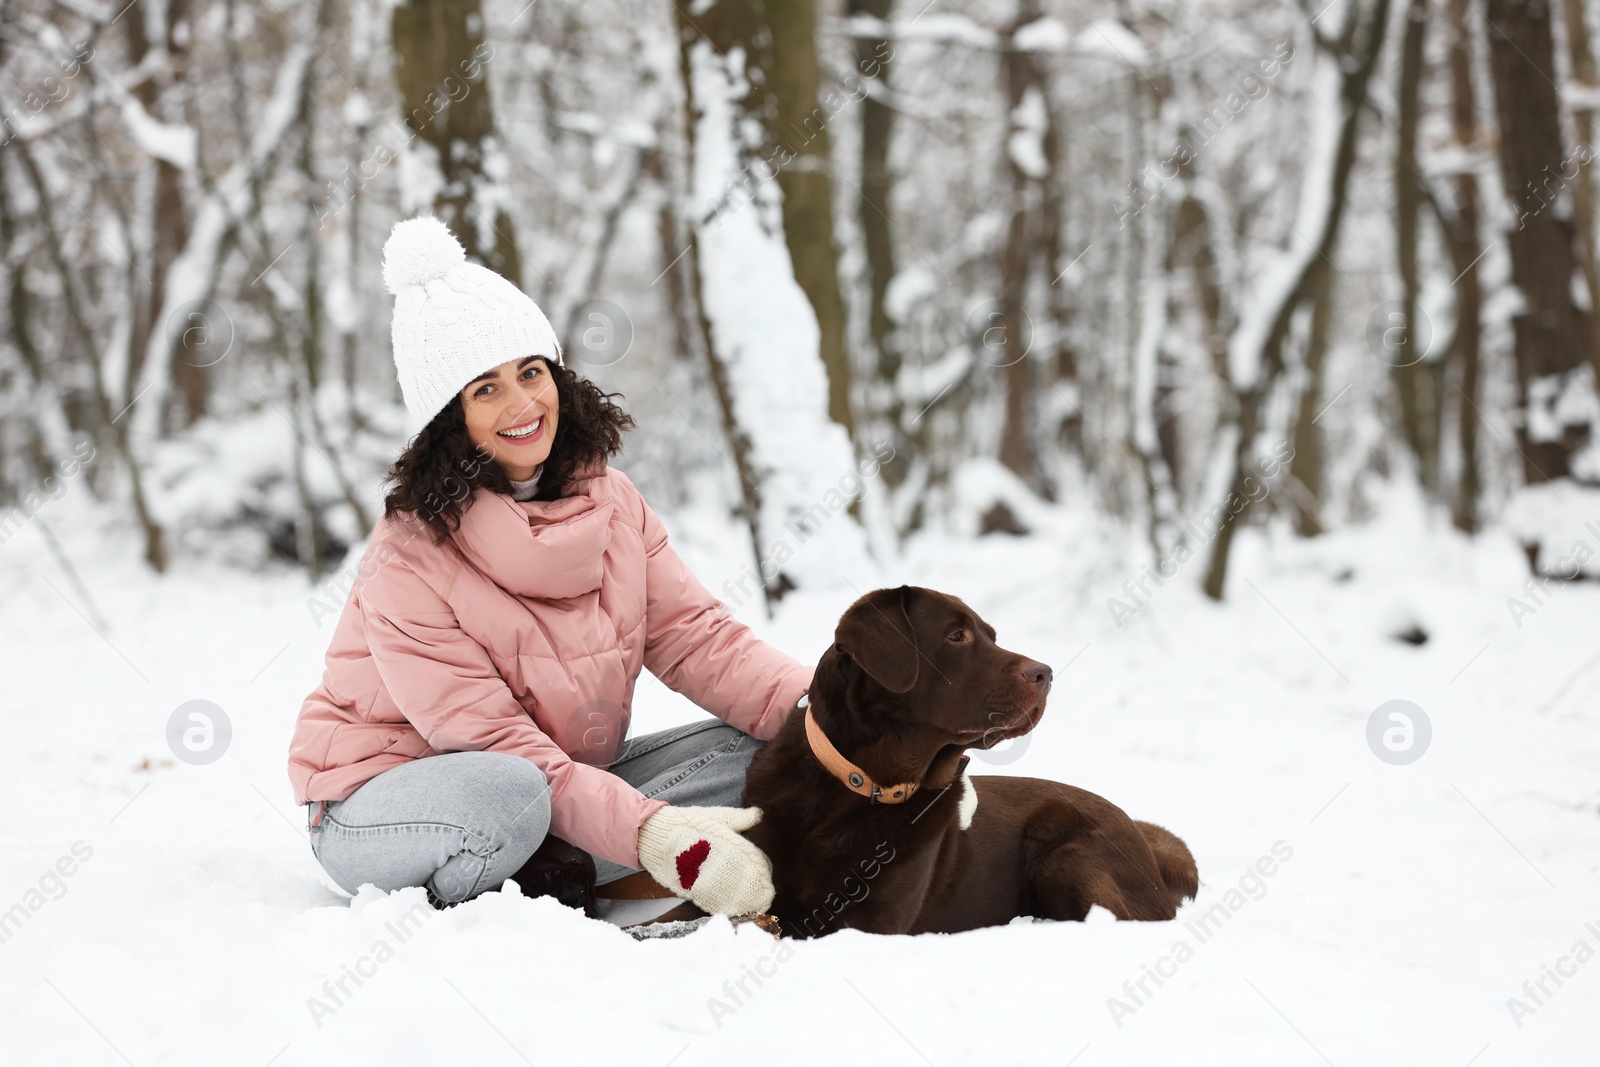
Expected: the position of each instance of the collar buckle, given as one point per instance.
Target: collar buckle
(894, 795)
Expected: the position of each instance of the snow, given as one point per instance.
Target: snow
(1102, 39)
(928, 26)
(1112, 40)
(1404, 907)
(357, 110)
(420, 177)
(633, 133)
(1557, 401)
(1563, 518)
(1580, 97)
(1042, 35)
(922, 383)
(173, 143)
(910, 284)
(1029, 123)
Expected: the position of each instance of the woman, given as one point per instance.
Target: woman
(478, 685)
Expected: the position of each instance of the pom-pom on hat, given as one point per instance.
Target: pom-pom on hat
(453, 320)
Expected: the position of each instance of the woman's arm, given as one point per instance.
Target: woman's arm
(446, 684)
(695, 645)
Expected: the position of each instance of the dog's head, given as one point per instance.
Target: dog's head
(925, 660)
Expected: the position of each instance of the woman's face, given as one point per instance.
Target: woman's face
(511, 414)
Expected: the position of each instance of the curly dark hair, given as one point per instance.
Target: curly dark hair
(435, 476)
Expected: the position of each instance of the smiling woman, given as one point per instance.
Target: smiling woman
(472, 722)
(574, 425)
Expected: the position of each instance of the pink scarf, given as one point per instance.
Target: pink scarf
(552, 549)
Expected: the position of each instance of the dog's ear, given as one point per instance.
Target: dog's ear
(876, 632)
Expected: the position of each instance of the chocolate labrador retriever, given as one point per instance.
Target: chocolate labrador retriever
(872, 824)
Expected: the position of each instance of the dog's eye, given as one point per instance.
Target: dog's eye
(960, 636)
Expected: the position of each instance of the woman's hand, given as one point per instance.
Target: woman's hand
(698, 853)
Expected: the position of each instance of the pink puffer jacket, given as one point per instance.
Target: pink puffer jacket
(532, 645)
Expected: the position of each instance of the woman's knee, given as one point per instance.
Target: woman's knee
(516, 791)
(517, 819)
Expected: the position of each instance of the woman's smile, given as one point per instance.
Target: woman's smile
(525, 433)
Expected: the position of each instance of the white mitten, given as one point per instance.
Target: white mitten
(698, 853)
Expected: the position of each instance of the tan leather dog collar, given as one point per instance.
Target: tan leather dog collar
(854, 778)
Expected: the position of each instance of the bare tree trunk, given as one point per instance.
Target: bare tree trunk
(799, 124)
(353, 338)
(1464, 244)
(1060, 361)
(610, 220)
(1195, 245)
(155, 546)
(1017, 452)
(1554, 337)
(1357, 61)
(1580, 55)
(169, 227)
(303, 380)
(20, 315)
(1194, 248)
(351, 343)
(1305, 469)
(444, 96)
(1019, 445)
(1150, 310)
(873, 213)
(1413, 381)
(671, 248)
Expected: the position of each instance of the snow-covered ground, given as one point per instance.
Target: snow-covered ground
(168, 913)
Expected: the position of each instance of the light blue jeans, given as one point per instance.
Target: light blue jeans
(461, 823)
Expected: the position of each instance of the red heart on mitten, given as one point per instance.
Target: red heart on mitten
(689, 861)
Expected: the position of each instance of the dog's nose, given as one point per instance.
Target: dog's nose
(1039, 675)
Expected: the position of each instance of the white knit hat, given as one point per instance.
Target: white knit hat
(453, 320)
